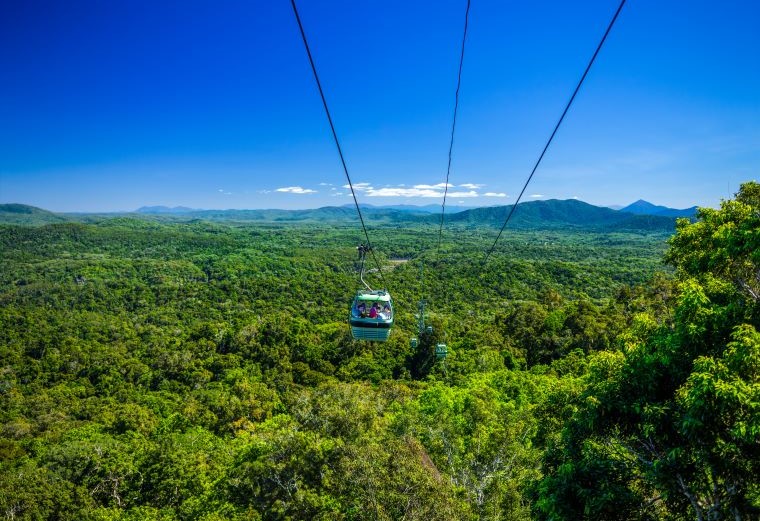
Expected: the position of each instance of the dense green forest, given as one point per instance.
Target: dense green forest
(154, 370)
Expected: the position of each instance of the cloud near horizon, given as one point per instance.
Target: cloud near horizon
(296, 190)
(435, 191)
(433, 187)
(426, 191)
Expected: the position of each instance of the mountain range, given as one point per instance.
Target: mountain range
(550, 214)
(166, 209)
(569, 213)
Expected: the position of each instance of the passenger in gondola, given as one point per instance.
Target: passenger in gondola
(361, 309)
(373, 310)
(386, 313)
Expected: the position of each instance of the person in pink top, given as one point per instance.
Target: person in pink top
(373, 311)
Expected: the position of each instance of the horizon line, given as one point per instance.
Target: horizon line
(187, 209)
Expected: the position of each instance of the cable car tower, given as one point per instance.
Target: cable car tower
(426, 331)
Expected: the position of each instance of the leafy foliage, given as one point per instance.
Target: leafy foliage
(152, 369)
(669, 427)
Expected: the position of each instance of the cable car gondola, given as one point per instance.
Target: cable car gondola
(371, 315)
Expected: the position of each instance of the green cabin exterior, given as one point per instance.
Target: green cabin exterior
(364, 327)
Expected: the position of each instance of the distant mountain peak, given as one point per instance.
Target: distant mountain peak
(642, 207)
(165, 209)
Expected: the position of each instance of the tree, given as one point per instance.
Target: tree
(670, 428)
(724, 243)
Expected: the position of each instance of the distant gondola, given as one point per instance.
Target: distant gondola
(371, 315)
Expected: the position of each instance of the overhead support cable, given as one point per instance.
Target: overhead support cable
(453, 123)
(556, 127)
(335, 138)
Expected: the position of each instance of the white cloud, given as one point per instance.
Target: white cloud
(536, 195)
(336, 194)
(296, 190)
(427, 191)
(325, 184)
(404, 192)
(220, 190)
(359, 187)
(432, 187)
(416, 192)
(263, 191)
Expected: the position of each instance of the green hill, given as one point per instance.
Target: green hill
(14, 213)
(571, 213)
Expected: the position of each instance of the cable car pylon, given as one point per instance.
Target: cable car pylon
(425, 331)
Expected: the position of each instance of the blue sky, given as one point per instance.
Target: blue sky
(108, 106)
